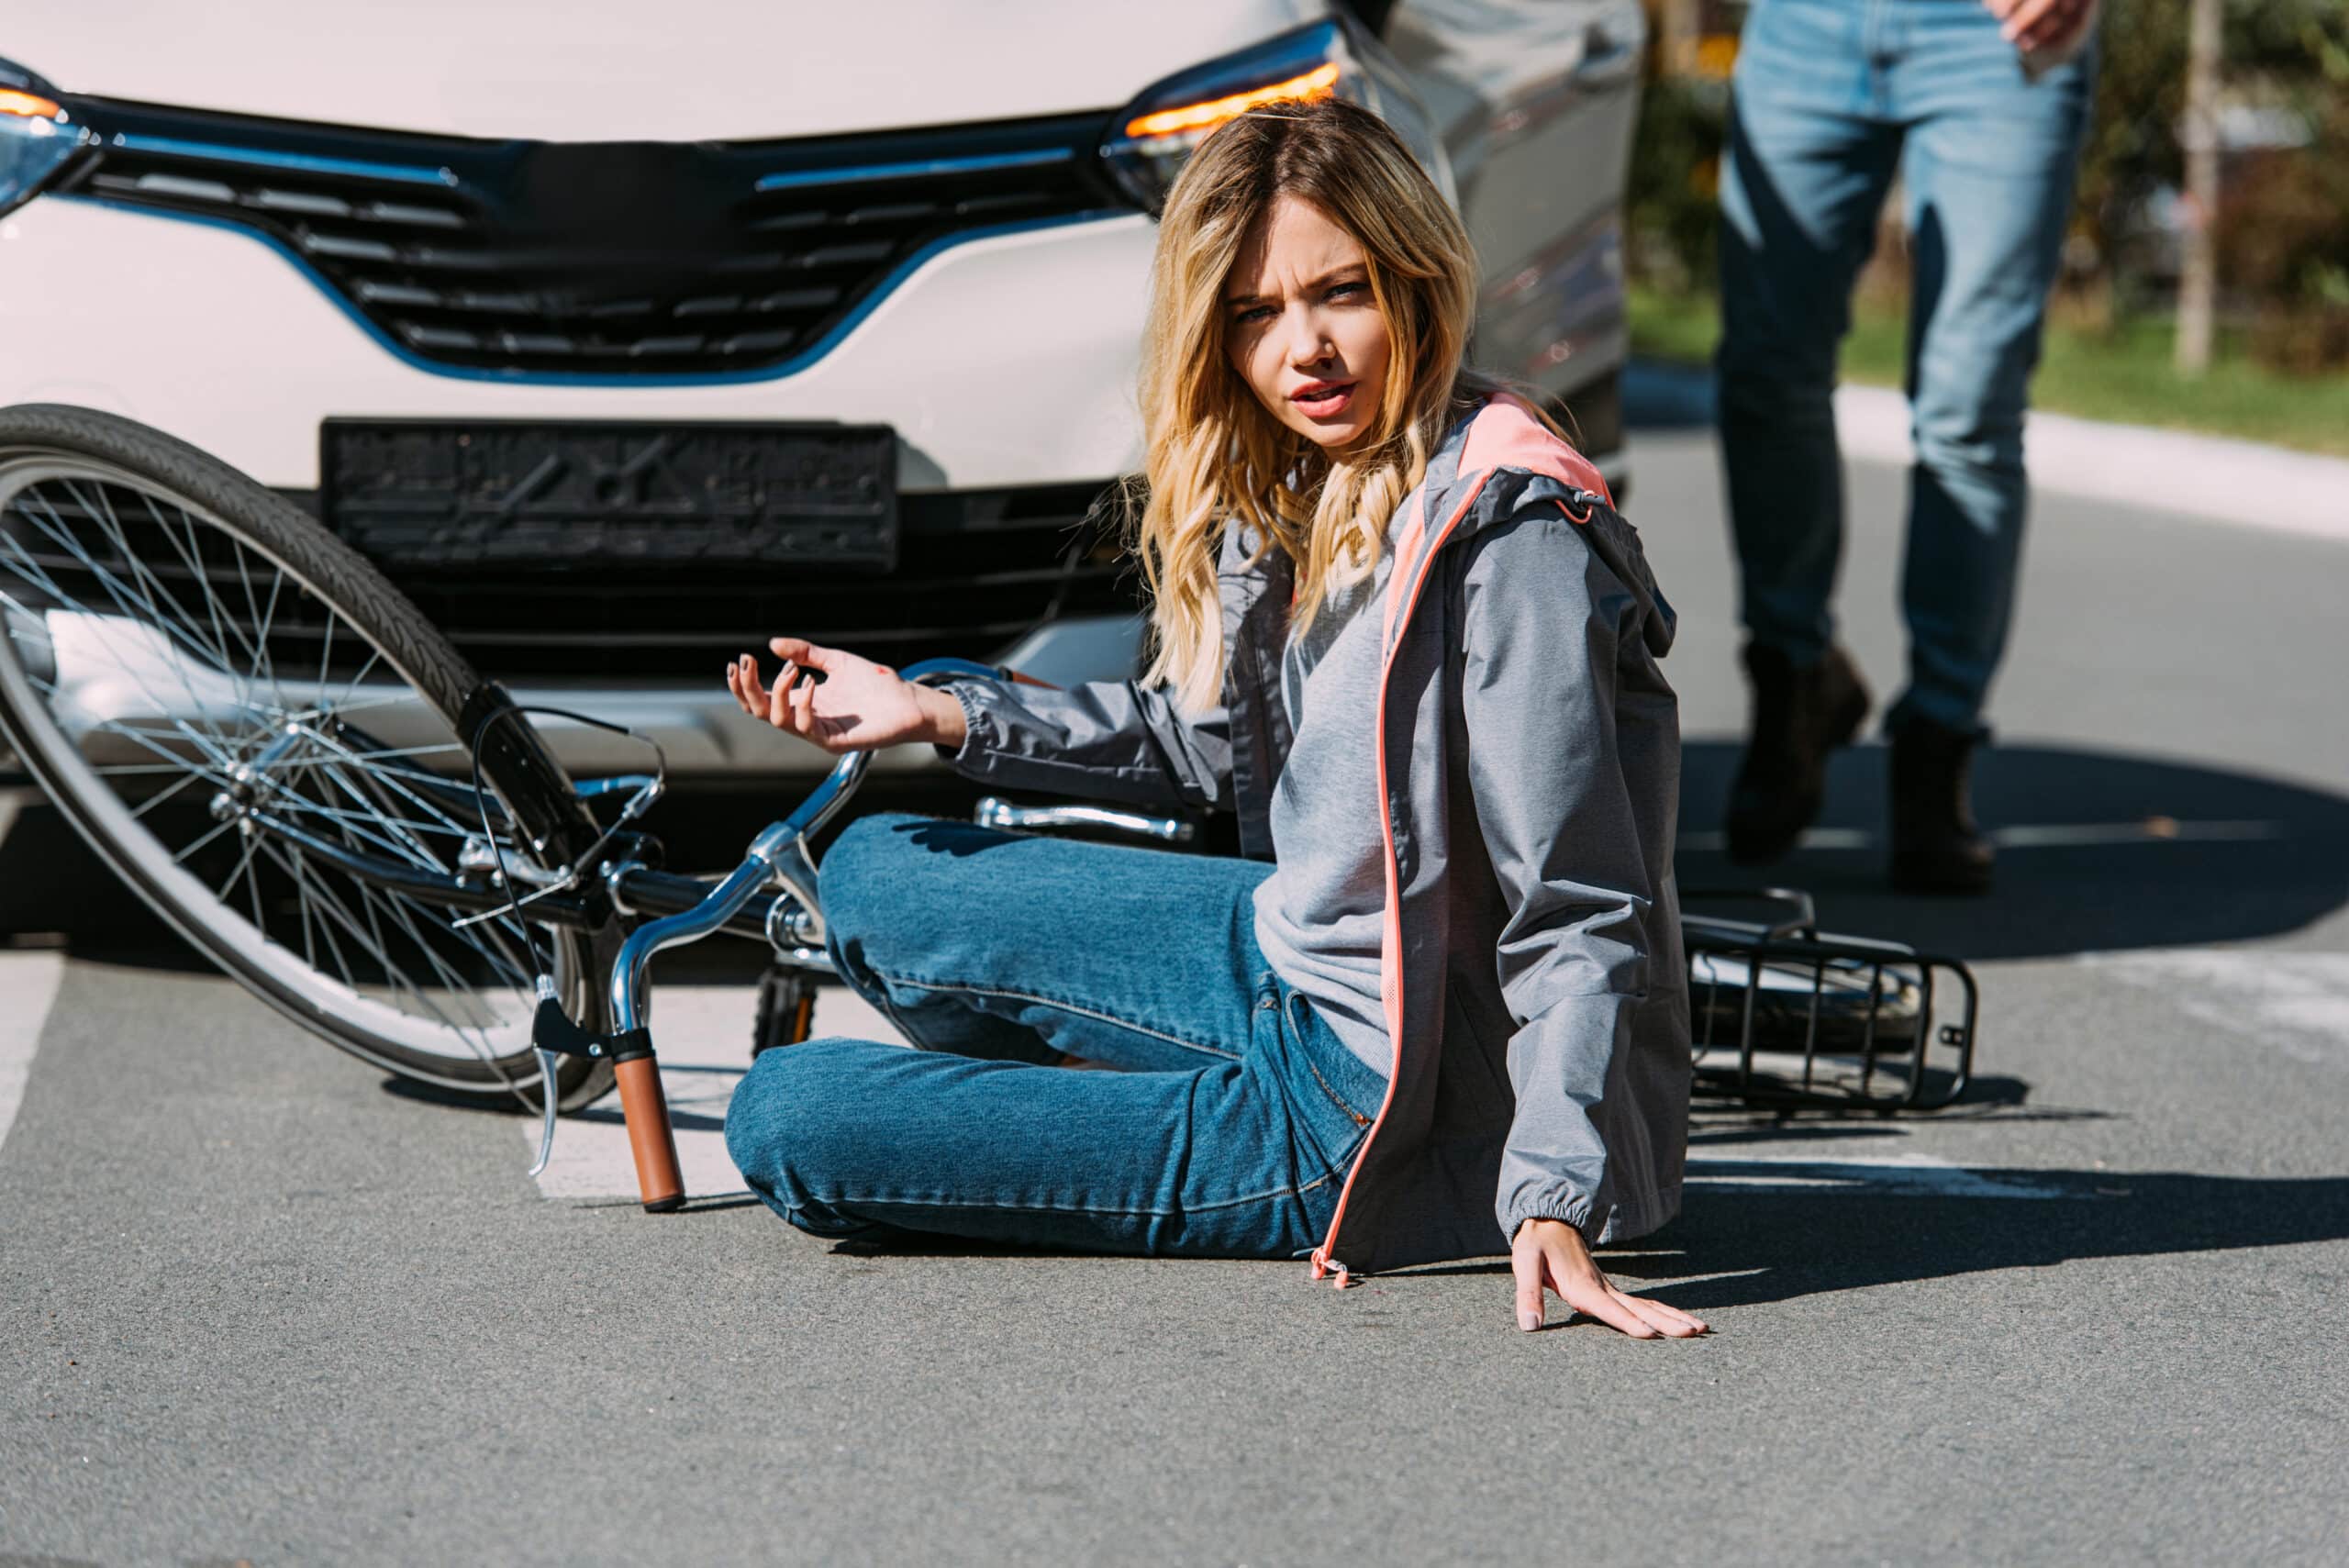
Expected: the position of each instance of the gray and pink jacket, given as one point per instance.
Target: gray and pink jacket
(1528, 757)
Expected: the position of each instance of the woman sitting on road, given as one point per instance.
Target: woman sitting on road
(1440, 1010)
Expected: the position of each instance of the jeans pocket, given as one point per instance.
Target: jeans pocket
(1325, 1092)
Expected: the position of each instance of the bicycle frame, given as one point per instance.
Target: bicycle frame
(779, 854)
(774, 895)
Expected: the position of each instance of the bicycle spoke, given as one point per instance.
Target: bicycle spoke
(191, 553)
(113, 586)
(99, 625)
(395, 976)
(140, 573)
(181, 859)
(262, 662)
(415, 848)
(177, 662)
(386, 777)
(144, 807)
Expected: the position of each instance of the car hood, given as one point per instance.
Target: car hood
(632, 70)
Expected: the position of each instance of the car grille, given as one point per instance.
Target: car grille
(976, 571)
(619, 259)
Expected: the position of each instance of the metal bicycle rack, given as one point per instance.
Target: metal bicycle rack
(1786, 1017)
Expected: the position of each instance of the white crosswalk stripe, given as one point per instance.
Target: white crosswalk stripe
(29, 982)
(1919, 1175)
(2297, 1002)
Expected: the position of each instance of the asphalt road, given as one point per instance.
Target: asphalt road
(254, 1307)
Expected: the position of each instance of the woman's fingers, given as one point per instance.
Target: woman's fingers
(1610, 1308)
(1526, 1264)
(1549, 1252)
(742, 679)
(803, 709)
(799, 650)
(779, 707)
(1664, 1320)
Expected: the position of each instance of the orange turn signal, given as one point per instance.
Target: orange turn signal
(31, 106)
(1319, 83)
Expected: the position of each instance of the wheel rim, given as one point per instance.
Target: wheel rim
(172, 676)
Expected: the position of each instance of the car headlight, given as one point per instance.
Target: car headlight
(38, 137)
(1155, 135)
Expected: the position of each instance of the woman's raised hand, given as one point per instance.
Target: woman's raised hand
(1551, 1252)
(858, 705)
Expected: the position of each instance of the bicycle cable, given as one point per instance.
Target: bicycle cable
(569, 876)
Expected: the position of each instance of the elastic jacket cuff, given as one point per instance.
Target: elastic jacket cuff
(975, 723)
(1579, 1212)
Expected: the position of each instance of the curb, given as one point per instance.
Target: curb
(2211, 478)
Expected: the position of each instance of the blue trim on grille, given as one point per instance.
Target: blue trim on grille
(838, 176)
(299, 162)
(797, 362)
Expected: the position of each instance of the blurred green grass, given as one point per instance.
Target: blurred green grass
(2123, 373)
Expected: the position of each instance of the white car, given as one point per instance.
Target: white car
(626, 335)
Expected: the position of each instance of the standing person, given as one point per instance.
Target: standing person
(1980, 105)
(1440, 1010)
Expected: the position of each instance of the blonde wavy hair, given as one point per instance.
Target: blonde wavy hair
(1215, 456)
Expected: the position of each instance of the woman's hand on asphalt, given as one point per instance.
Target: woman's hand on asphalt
(1551, 1252)
(858, 705)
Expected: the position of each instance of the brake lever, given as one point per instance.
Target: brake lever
(548, 1062)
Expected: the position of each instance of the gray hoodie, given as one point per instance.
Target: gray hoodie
(1528, 755)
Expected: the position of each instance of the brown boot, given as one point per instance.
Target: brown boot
(1801, 714)
(1936, 847)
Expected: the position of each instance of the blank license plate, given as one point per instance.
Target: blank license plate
(588, 493)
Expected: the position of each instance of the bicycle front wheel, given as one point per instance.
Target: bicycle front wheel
(219, 695)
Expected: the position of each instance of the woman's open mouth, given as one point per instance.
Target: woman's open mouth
(1324, 399)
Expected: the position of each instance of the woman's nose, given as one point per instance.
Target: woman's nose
(1307, 344)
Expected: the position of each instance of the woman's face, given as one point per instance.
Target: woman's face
(1301, 327)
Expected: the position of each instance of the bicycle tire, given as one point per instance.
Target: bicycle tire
(67, 478)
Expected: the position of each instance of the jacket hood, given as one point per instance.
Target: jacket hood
(1503, 447)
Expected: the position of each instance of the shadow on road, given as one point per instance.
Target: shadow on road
(1812, 1227)
(2097, 852)
(1779, 1240)
(1777, 1243)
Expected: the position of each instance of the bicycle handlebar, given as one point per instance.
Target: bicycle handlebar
(642, 1103)
(765, 861)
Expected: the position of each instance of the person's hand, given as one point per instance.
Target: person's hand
(2031, 25)
(1551, 1252)
(858, 706)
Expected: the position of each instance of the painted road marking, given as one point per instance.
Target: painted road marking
(1898, 1175)
(29, 982)
(2039, 835)
(705, 1042)
(2297, 1002)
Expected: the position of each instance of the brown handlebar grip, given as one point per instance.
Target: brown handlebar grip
(1026, 680)
(650, 1138)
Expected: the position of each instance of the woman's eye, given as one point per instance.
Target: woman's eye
(1255, 313)
(1343, 289)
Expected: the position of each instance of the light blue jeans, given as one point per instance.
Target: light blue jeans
(1227, 1133)
(1828, 99)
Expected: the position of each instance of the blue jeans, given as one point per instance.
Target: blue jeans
(1830, 98)
(1227, 1133)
